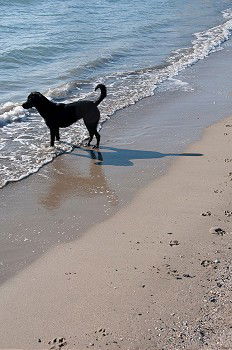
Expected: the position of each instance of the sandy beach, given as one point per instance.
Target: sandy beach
(155, 275)
(127, 246)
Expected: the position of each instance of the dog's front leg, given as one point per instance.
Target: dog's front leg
(52, 136)
(58, 134)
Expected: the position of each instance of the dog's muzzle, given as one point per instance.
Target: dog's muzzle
(26, 105)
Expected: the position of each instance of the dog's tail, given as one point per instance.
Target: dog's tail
(103, 93)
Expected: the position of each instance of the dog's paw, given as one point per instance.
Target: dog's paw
(85, 144)
(47, 148)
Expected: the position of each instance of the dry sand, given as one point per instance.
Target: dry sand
(152, 276)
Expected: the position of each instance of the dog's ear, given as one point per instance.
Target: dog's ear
(32, 100)
(34, 95)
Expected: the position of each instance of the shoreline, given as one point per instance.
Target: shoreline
(137, 285)
(78, 189)
(193, 86)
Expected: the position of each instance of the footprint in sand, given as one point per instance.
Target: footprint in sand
(217, 231)
(206, 213)
(57, 343)
(174, 242)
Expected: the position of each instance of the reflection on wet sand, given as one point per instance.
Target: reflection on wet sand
(92, 182)
(68, 181)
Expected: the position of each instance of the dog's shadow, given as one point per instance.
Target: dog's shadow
(125, 157)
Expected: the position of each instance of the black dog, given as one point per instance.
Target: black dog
(60, 115)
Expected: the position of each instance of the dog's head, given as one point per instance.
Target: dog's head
(32, 100)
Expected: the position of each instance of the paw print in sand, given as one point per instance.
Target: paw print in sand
(57, 343)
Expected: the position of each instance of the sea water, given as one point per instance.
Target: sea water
(65, 48)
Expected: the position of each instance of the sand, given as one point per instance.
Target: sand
(155, 275)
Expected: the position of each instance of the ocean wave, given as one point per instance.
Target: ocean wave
(205, 43)
(62, 91)
(10, 113)
(29, 55)
(99, 62)
(227, 14)
(141, 83)
(128, 87)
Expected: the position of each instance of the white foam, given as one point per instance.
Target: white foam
(227, 14)
(10, 112)
(61, 90)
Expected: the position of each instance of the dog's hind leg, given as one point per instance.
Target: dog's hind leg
(98, 137)
(91, 134)
(92, 129)
(91, 120)
(58, 134)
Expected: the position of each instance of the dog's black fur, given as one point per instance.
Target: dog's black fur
(60, 115)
